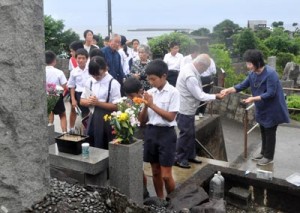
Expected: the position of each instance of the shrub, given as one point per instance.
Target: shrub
(160, 45)
(222, 59)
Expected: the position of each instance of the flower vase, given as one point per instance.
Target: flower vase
(126, 169)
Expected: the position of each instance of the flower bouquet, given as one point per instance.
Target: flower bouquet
(125, 121)
(53, 94)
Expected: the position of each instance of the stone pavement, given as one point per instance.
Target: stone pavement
(286, 160)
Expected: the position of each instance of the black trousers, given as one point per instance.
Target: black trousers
(268, 136)
(204, 80)
(172, 77)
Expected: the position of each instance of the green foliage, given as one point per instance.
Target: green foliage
(281, 60)
(263, 33)
(160, 45)
(222, 59)
(224, 30)
(247, 40)
(293, 101)
(56, 38)
(201, 32)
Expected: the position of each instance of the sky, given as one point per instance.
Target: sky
(80, 15)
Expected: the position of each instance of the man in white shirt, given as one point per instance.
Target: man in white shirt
(190, 88)
(173, 59)
(57, 77)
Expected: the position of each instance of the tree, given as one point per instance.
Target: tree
(224, 30)
(247, 40)
(160, 45)
(277, 24)
(222, 59)
(262, 33)
(56, 38)
(280, 41)
(201, 32)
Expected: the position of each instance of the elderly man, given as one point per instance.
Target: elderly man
(190, 88)
(113, 58)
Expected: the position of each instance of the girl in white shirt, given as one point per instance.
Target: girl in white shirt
(100, 92)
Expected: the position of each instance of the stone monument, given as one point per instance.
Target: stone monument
(24, 176)
(272, 61)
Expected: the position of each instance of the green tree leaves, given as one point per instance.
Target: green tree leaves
(56, 38)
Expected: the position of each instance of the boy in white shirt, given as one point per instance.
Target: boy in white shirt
(161, 107)
(57, 77)
(76, 83)
(173, 59)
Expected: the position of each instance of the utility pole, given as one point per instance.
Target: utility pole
(109, 27)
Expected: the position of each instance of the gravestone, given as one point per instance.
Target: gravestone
(272, 61)
(24, 176)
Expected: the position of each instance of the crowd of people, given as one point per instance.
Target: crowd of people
(172, 90)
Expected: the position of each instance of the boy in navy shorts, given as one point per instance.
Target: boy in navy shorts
(57, 77)
(162, 105)
(76, 84)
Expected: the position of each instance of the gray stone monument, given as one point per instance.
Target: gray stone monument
(24, 176)
(272, 61)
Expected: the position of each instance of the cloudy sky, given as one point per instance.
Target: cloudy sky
(92, 14)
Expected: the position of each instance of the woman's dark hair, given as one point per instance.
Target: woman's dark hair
(157, 67)
(86, 32)
(132, 85)
(96, 64)
(255, 57)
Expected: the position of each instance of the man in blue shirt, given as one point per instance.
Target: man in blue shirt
(268, 97)
(113, 58)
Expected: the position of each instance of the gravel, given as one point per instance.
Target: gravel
(68, 197)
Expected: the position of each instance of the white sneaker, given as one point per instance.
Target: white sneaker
(201, 115)
(264, 161)
(258, 156)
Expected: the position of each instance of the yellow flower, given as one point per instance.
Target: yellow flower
(123, 117)
(107, 117)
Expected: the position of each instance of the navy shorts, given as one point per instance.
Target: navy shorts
(59, 107)
(160, 145)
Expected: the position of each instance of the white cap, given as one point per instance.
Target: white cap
(85, 144)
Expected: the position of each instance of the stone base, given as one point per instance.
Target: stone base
(126, 169)
(88, 171)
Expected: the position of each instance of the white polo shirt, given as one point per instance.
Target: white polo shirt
(55, 76)
(173, 62)
(78, 78)
(167, 99)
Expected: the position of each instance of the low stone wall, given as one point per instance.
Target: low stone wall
(230, 107)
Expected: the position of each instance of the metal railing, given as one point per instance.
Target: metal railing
(246, 131)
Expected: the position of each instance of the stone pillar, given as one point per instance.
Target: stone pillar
(126, 169)
(24, 176)
(272, 61)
